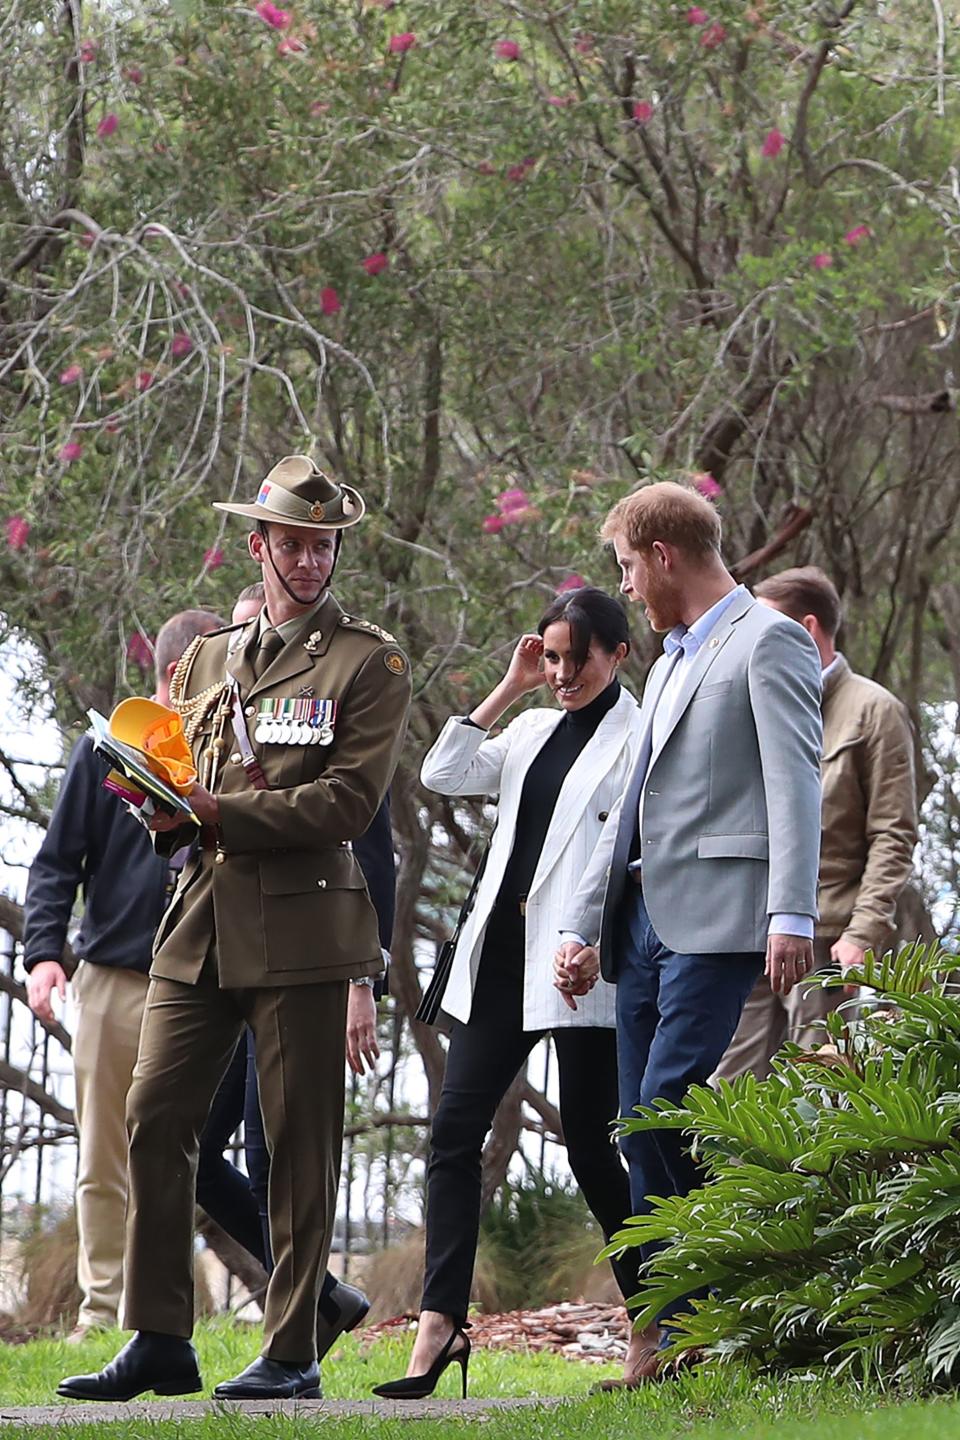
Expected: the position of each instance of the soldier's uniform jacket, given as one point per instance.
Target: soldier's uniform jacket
(282, 897)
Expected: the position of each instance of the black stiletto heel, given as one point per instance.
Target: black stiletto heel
(418, 1387)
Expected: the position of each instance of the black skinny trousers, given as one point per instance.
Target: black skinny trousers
(484, 1058)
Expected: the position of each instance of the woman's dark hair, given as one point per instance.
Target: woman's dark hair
(592, 615)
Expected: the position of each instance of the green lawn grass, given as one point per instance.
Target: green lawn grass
(718, 1403)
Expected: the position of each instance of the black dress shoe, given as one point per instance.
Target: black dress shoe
(165, 1364)
(351, 1304)
(273, 1380)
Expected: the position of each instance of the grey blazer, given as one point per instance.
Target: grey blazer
(731, 810)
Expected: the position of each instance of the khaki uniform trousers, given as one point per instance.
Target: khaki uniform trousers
(108, 1008)
(768, 1020)
(189, 1035)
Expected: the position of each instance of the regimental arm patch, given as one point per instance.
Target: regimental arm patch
(395, 662)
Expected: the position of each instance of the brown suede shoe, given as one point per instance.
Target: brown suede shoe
(646, 1370)
(653, 1365)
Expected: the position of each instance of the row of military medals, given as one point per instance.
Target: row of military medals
(296, 722)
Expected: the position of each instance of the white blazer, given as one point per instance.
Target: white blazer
(464, 761)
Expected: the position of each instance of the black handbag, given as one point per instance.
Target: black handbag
(431, 1002)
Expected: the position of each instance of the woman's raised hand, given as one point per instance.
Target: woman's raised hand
(524, 672)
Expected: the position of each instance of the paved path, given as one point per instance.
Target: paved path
(73, 1413)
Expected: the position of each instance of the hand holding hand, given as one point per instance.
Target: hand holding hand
(524, 672)
(576, 969)
(789, 958)
(44, 978)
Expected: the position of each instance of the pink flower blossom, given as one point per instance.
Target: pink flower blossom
(572, 582)
(272, 16)
(88, 52)
(329, 301)
(697, 16)
(140, 651)
(822, 261)
(213, 558)
(182, 288)
(517, 172)
(704, 482)
(290, 45)
(492, 524)
(86, 239)
(376, 264)
(858, 233)
(560, 100)
(514, 506)
(108, 126)
(111, 425)
(145, 379)
(134, 74)
(180, 345)
(713, 36)
(584, 45)
(71, 375)
(18, 532)
(486, 168)
(70, 452)
(515, 499)
(773, 143)
(319, 107)
(642, 112)
(507, 50)
(400, 44)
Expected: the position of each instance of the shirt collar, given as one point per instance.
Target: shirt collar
(832, 668)
(288, 628)
(690, 638)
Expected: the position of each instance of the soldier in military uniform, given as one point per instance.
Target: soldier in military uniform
(296, 722)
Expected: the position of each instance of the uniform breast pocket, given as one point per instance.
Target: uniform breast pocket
(316, 910)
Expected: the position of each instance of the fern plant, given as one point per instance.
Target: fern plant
(828, 1231)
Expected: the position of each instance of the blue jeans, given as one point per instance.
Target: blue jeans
(676, 1015)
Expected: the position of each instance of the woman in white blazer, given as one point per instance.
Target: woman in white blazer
(557, 772)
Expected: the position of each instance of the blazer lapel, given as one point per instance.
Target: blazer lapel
(697, 670)
(522, 756)
(630, 811)
(591, 765)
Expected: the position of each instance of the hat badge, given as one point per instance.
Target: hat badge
(317, 511)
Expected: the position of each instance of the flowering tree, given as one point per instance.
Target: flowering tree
(493, 264)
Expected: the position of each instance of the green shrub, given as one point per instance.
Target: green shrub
(537, 1243)
(829, 1229)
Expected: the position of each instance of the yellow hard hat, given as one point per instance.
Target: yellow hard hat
(158, 732)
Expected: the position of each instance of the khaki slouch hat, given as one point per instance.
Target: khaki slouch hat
(298, 492)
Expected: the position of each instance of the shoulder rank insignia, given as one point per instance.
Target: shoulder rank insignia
(395, 662)
(356, 624)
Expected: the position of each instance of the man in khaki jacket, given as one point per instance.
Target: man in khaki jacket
(296, 722)
(869, 828)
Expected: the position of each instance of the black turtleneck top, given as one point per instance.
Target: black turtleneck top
(538, 801)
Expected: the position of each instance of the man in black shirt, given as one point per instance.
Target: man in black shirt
(94, 844)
